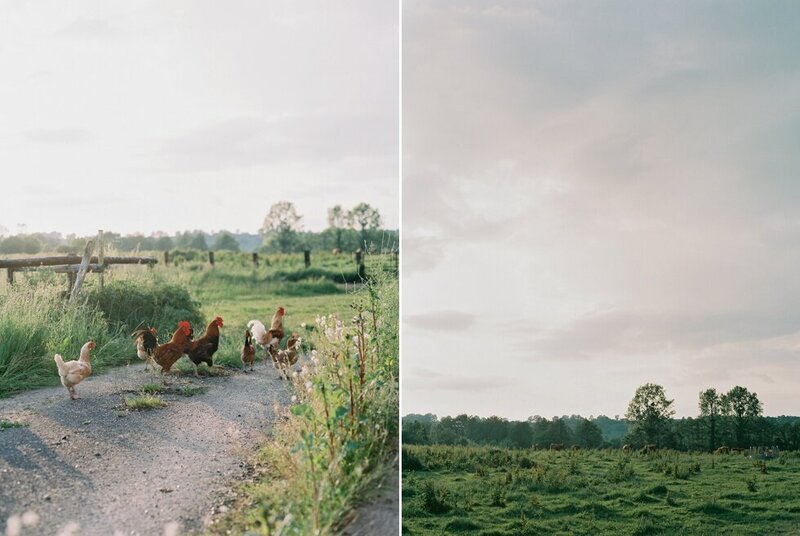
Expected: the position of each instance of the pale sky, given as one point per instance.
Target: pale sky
(150, 115)
(597, 195)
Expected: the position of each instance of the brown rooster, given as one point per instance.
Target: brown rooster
(167, 354)
(269, 340)
(275, 333)
(202, 350)
(248, 352)
(284, 359)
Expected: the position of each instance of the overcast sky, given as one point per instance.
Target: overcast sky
(598, 195)
(149, 115)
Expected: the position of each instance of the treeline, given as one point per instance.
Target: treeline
(348, 230)
(687, 434)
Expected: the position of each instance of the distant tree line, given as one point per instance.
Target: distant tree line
(732, 419)
(348, 230)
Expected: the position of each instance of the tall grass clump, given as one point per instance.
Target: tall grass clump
(36, 323)
(341, 430)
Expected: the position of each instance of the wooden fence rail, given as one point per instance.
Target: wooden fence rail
(76, 267)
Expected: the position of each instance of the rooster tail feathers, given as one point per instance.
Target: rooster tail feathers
(59, 361)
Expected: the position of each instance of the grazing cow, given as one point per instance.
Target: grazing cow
(648, 448)
(556, 446)
(336, 251)
(626, 449)
(738, 451)
(722, 450)
(575, 448)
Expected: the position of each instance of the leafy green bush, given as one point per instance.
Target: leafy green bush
(127, 304)
(434, 499)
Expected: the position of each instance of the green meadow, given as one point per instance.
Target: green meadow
(493, 491)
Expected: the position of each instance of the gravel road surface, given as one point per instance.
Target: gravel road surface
(90, 467)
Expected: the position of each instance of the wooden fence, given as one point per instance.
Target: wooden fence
(73, 266)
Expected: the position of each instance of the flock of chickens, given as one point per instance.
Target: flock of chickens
(198, 351)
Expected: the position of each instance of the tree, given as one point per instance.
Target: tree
(226, 242)
(555, 431)
(521, 435)
(588, 434)
(21, 244)
(710, 409)
(743, 406)
(163, 243)
(282, 224)
(650, 411)
(198, 241)
(337, 221)
(364, 218)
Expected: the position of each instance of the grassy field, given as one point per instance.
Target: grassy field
(491, 491)
(35, 322)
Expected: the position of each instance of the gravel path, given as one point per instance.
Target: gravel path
(380, 515)
(111, 471)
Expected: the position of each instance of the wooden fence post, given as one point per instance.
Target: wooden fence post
(255, 259)
(70, 282)
(87, 255)
(10, 276)
(211, 258)
(101, 256)
(397, 261)
(307, 258)
(166, 257)
(362, 272)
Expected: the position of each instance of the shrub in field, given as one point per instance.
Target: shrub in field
(129, 303)
(411, 462)
(620, 471)
(434, 499)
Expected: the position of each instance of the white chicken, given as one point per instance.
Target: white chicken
(74, 372)
(258, 331)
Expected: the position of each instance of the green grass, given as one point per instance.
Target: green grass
(143, 402)
(4, 424)
(483, 490)
(188, 390)
(151, 388)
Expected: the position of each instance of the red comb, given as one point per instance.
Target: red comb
(184, 324)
